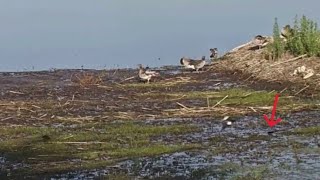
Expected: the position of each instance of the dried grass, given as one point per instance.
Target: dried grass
(256, 63)
(86, 79)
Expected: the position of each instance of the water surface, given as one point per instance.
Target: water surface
(43, 34)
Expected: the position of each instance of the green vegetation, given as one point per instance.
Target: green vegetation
(277, 47)
(92, 145)
(303, 38)
(255, 173)
(236, 97)
(307, 131)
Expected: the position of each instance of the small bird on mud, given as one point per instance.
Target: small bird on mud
(259, 40)
(146, 74)
(192, 63)
(214, 53)
(226, 123)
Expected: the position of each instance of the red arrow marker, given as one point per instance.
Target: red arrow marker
(271, 122)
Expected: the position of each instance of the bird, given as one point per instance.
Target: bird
(214, 53)
(287, 31)
(148, 71)
(146, 74)
(226, 123)
(192, 63)
(259, 40)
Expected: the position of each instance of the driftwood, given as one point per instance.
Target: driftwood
(241, 46)
(293, 59)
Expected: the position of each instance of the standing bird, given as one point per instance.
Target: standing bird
(226, 123)
(214, 53)
(259, 40)
(192, 63)
(287, 31)
(146, 74)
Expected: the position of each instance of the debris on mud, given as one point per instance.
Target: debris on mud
(88, 123)
(252, 65)
(304, 72)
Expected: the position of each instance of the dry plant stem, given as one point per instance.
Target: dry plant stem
(220, 101)
(301, 90)
(182, 105)
(241, 46)
(16, 92)
(129, 78)
(293, 59)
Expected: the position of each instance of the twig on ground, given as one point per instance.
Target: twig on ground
(220, 101)
(16, 92)
(253, 109)
(93, 142)
(301, 90)
(36, 106)
(7, 118)
(293, 59)
(129, 78)
(283, 90)
(182, 105)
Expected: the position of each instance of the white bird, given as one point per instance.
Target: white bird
(226, 123)
(146, 74)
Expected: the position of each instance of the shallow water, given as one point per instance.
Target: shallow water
(109, 34)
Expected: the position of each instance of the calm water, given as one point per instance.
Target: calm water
(43, 34)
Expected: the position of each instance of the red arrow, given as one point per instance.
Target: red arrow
(271, 122)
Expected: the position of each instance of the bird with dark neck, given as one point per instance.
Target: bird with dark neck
(193, 63)
(214, 53)
(287, 31)
(259, 40)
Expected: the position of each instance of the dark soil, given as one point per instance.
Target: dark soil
(62, 99)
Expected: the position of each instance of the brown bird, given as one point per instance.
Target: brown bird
(259, 40)
(287, 31)
(192, 63)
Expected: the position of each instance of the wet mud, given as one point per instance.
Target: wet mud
(247, 148)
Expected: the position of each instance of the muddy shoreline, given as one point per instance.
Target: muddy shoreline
(123, 128)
